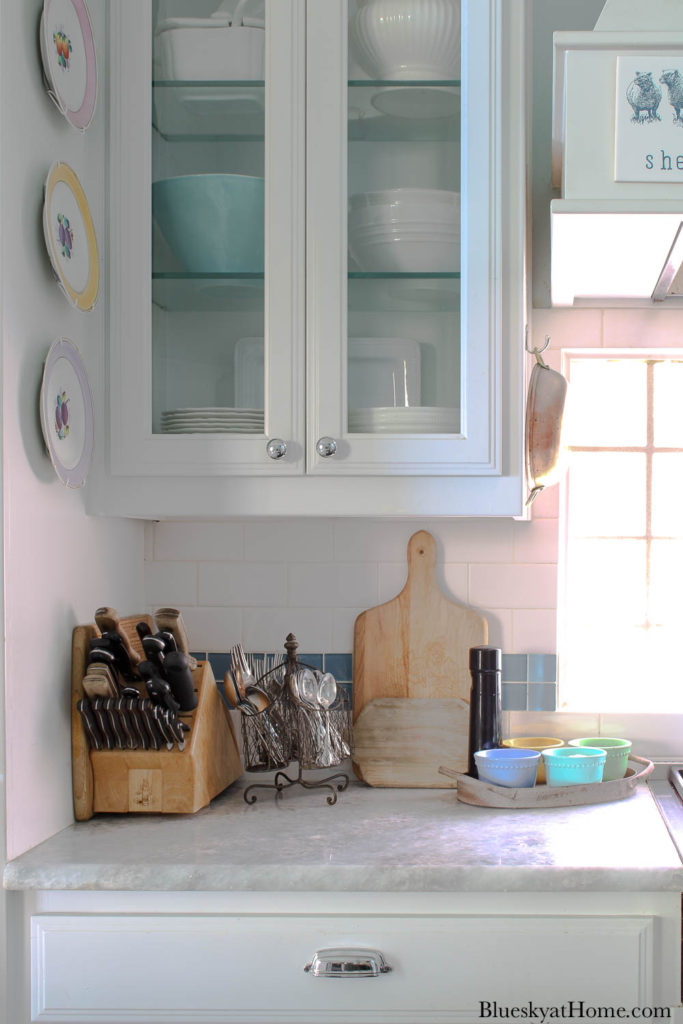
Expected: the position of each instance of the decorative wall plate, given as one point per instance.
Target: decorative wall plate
(66, 413)
(70, 237)
(69, 60)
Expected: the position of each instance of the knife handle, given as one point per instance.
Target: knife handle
(177, 672)
(108, 621)
(171, 619)
(145, 708)
(89, 724)
(115, 720)
(103, 722)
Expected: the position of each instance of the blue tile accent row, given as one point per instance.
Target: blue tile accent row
(529, 680)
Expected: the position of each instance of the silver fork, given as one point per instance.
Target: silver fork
(244, 676)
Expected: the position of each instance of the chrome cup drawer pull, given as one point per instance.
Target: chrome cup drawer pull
(347, 963)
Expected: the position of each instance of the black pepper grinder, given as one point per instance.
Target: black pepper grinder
(486, 664)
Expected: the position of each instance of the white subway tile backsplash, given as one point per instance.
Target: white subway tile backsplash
(265, 629)
(534, 630)
(513, 586)
(170, 583)
(198, 541)
(453, 580)
(210, 629)
(357, 540)
(343, 622)
(243, 584)
(500, 628)
(333, 585)
(392, 579)
(475, 540)
(289, 540)
(535, 541)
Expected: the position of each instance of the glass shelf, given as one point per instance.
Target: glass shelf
(209, 111)
(417, 111)
(184, 292)
(404, 293)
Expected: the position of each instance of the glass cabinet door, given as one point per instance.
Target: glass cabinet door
(402, 333)
(220, 271)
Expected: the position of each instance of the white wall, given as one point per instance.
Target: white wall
(59, 563)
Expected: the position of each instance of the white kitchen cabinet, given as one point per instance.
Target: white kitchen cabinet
(196, 957)
(415, 377)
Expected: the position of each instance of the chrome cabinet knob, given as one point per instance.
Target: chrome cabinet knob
(276, 448)
(326, 446)
(347, 963)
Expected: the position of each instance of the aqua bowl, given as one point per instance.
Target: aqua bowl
(507, 766)
(617, 751)
(573, 766)
(213, 223)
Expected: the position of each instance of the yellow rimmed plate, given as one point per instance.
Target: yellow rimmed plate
(70, 237)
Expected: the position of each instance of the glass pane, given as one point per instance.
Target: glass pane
(607, 403)
(666, 572)
(668, 407)
(667, 494)
(404, 355)
(607, 494)
(208, 129)
(606, 579)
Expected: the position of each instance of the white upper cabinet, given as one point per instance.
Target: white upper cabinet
(316, 259)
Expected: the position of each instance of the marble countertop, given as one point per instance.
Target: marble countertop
(371, 840)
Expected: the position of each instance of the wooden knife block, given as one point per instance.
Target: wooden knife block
(159, 781)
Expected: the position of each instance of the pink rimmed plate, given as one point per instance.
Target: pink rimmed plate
(66, 413)
(67, 48)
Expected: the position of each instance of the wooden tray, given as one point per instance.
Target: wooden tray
(162, 781)
(483, 794)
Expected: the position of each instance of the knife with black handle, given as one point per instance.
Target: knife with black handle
(89, 724)
(103, 722)
(164, 728)
(112, 711)
(158, 689)
(176, 668)
(135, 716)
(113, 642)
(175, 727)
(171, 619)
(146, 709)
(121, 708)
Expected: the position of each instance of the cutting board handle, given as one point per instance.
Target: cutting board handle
(421, 555)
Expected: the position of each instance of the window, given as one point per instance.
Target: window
(621, 593)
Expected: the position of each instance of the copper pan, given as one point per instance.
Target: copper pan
(544, 412)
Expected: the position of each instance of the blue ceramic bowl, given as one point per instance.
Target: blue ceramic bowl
(507, 766)
(573, 766)
(213, 223)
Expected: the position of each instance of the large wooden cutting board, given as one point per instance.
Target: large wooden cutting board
(416, 646)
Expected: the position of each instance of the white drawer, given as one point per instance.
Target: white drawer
(242, 968)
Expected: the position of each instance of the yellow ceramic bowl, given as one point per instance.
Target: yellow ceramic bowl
(539, 743)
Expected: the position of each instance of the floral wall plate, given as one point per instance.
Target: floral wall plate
(70, 237)
(66, 413)
(69, 60)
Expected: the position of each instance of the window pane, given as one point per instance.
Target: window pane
(667, 494)
(607, 402)
(668, 407)
(666, 574)
(607, 494)
(606, 580)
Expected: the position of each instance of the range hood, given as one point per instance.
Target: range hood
(616, 233)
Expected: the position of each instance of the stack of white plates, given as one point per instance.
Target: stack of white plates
(405, 230)
(415, 419)
(216, 420)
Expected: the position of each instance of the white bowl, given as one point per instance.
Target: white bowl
(200, 51)
(405, 230)
(408, 39)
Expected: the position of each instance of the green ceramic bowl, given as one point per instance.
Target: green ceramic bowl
(617, 751)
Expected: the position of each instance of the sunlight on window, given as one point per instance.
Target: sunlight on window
(622, 595)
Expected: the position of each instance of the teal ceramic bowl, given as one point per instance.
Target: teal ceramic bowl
(573, 766)
(617, 752)
(213, 223)
(507, 766)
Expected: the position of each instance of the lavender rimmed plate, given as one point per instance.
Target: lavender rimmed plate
(66, 413)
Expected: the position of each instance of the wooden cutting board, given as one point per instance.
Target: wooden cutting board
(396, 739)
(416, 646)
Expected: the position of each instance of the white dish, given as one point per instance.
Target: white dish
(380, 371)
(66, 413)
(69, 59)
(70, 237)
(209, 50)
(417, 101)
(419, 420)
(405, 230)
(401, 252)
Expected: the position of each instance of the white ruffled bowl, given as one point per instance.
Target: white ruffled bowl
(408, 39)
